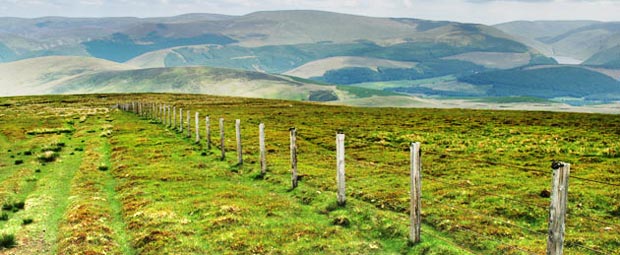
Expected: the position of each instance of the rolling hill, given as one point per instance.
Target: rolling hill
(40, 75)
(548, 82)
(273, 41)
(320, 67)
(194, 53)
(570, 42)
(81, 75)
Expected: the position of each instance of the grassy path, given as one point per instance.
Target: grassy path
(92, 222)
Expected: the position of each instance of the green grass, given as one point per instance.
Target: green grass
(483, 173)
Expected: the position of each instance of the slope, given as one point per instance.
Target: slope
(609, 58)
(198, 80)
(575, 41)
(319, 67)
(548, 82)
(39, 75)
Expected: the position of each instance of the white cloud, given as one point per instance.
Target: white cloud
(479, 11)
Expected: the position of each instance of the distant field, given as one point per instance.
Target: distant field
(97, 180)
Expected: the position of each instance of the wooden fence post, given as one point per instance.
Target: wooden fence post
(261, 145)
(197, 128)
(222, 141)
(208, 133)
(174, 117)
(238, 138)
(180, 120)
(416, 193)
(164, 116)
(167, 115)
(340, 169)
(557, 209)
(293, 157)
(189, 124)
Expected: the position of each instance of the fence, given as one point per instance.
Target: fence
(557, 208)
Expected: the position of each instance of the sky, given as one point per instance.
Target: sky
(473, 11)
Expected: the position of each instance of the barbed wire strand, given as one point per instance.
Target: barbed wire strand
(589, 249)
(451, 242)
(495, 240)
(433, 178)
(453, 206)
(528, 169)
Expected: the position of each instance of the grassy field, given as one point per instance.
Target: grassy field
(78, 177)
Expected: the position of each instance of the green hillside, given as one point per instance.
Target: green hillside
(609, 58)
(353, 75)
(120, 47)
(198, 80)
(545, 82)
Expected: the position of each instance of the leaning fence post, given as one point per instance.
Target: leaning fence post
(238, 138)
(293, 157)
(261, 145)
(197, 128)
(340, 169)
(208, 134)
(557, 209)
(222, 141)
(416, 193)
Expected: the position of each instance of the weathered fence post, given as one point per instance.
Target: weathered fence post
(208, 133)
(557, 209)
(222, 141)
(162, 115)
(197, 128)
(293, 157)
(181, 120)
(238, 138)
(167, 116)
(416, 193)
(261, 145)
(189, 124)
(170, 116)
(174, 117)
(340, 169)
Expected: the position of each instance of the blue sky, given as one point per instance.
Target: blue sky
(478, 11)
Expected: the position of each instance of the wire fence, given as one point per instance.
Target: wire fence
(480, 190)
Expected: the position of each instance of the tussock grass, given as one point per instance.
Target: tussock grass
(7, 241)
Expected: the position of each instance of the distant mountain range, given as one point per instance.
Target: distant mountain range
(268, 50)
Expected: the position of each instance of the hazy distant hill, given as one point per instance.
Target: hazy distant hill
(591, 42)
(255, 55)
(273, 34)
